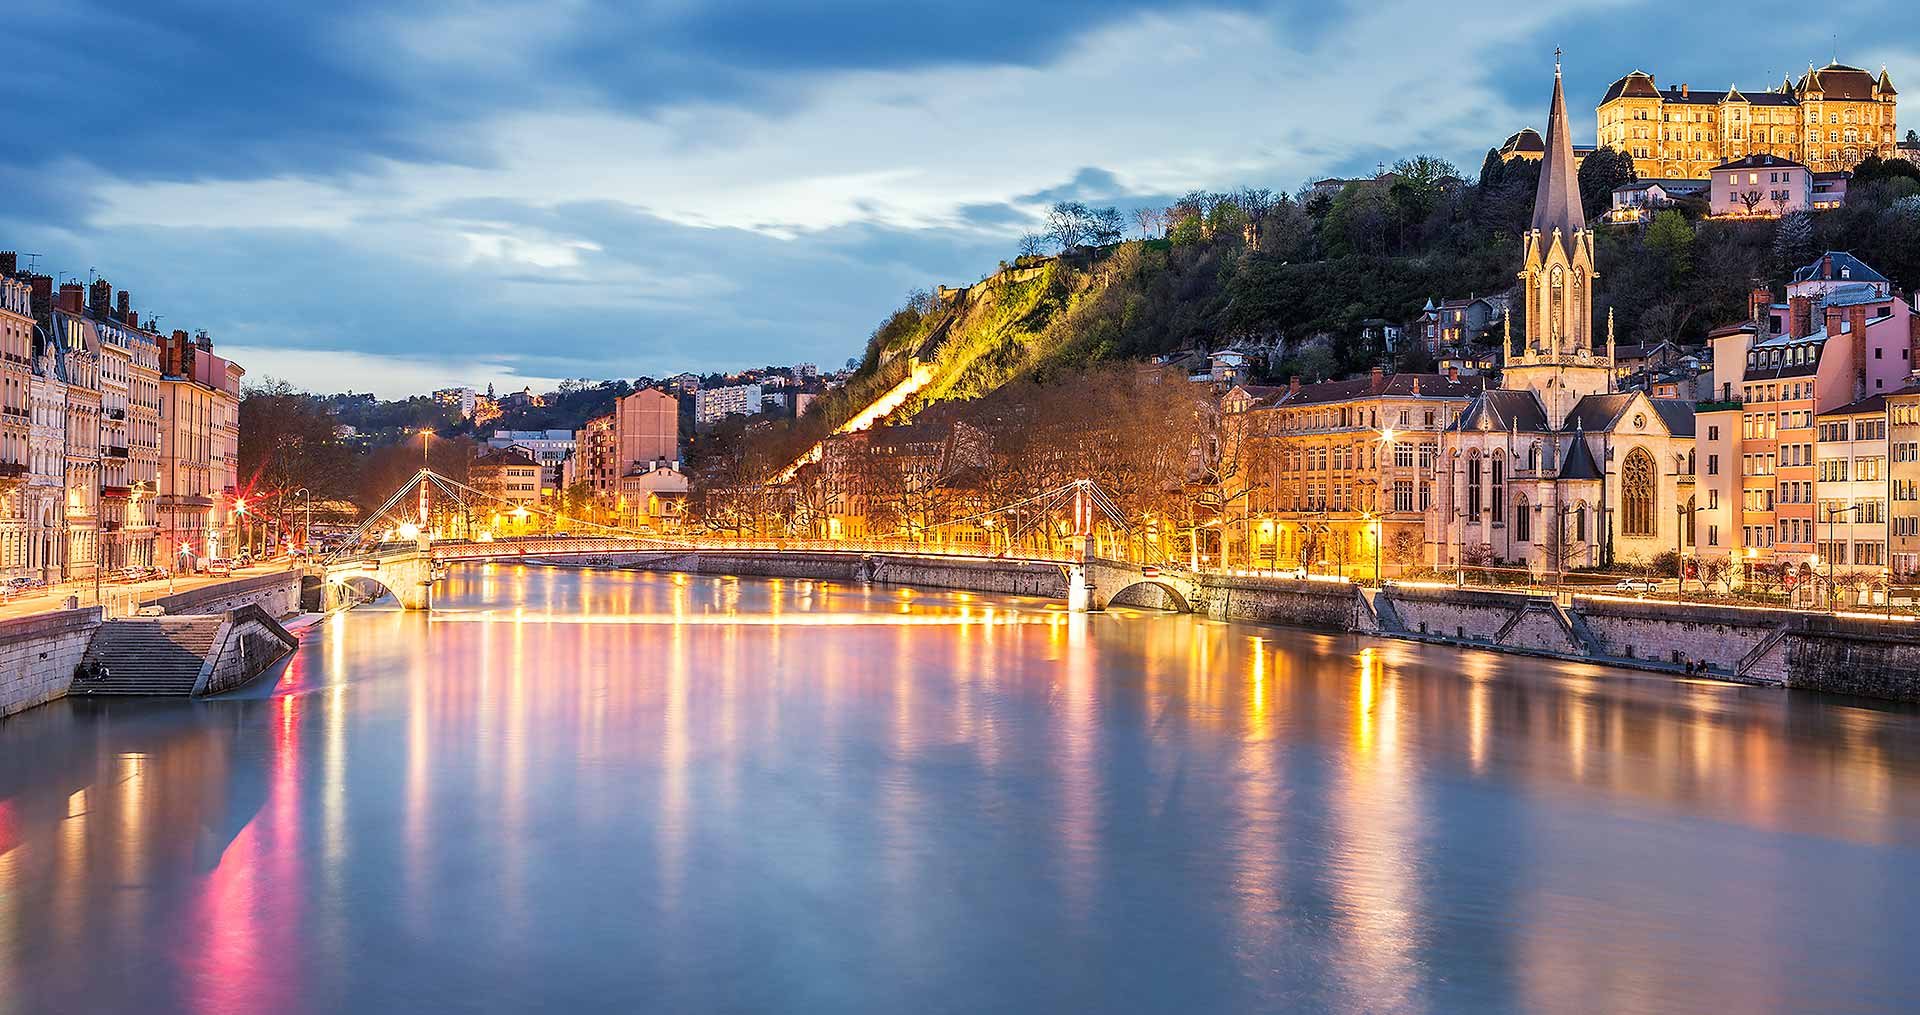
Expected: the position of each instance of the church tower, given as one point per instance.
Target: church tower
(1558, 361)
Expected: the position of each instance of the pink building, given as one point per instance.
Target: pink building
(1760, 186)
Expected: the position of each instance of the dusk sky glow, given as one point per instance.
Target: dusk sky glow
(512, 193)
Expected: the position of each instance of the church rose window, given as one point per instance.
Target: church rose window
(1636, 494)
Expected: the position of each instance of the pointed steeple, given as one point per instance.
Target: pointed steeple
(1557, 205)
(1885, 83)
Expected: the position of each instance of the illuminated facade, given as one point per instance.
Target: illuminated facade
(1829, 120)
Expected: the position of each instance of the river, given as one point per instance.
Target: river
(608, 791)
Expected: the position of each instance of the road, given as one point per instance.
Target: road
(117, 593)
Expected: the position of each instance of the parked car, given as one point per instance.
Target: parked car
(1636, 586)
(220, 566)
(23, 586)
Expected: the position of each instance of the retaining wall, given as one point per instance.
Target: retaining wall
(38, 654)
(250, 641)
(277, 594)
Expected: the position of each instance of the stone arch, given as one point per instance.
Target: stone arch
(1151, 594)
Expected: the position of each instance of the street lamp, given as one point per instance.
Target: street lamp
(246, 530)
(306, 528)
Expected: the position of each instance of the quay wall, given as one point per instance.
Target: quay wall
(249, 641)
(277, 594)
(1759, 646)
(38, 655)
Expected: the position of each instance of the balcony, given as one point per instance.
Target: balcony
(116, 414)
(115, 492)
(12, 472)
(116, 451)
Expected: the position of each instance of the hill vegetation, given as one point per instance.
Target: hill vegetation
(1302, 276)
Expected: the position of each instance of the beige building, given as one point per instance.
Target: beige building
(77, 348)
(642, 433)
(509, 475)
(198, 506)
(16, 415)
(1829, 120)
(1336, 471)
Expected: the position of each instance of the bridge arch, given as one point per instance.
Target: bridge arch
(1153, 594)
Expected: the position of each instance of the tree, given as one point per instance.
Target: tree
(1069, 223)
(1671, 237)
(1793, 242)
(1600, 172)
(1421, 182)
(1107, 226)
(1150, 220)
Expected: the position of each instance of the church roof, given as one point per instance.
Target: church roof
(1579, 463)
(1676, 413)
(1597, 413)
(1504, 409)
(1526, 139)
(1557, 205)
(1886, 83)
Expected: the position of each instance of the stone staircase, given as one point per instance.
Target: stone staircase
(149, 655)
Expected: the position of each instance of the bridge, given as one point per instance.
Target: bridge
(401, 553)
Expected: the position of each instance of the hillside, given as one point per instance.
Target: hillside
(1302, 276)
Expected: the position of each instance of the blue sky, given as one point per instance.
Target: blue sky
(391, 197)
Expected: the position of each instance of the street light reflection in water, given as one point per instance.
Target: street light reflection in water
(608, 790)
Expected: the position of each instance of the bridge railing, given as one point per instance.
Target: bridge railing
(570, 546)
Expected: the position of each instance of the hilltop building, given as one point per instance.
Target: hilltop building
(1828, 120)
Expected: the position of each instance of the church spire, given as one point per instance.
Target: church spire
(1557, 205)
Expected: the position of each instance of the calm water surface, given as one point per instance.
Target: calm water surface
(621, 792)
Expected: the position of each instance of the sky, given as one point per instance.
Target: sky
(394, 197)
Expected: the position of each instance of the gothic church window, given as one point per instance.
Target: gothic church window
(1637, 494)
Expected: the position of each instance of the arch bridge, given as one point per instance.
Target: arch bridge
(407, 567)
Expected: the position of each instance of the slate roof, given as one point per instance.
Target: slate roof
(1676, 413)
(1579, 463)
(1872, 403)
(1761, 161)
(1598, 412)
(1839, 81)
(1854, 294)
(1401, 385)
(1557, 203)
(1503, 409)
(1828, 267)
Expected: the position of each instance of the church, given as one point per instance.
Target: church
(1555, 469)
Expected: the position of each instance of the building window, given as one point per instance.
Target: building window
(1522, 520)
(1637, 494)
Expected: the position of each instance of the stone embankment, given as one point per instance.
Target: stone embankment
(230, 630)
(1759, 646)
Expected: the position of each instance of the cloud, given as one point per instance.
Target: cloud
(597, 188)
(388, 376)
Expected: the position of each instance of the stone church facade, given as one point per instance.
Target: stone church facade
(1557, 470)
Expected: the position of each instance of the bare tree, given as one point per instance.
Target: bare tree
(1068, 224)
(1151, 221)
(1750, 199)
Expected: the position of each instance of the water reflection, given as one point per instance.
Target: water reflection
(606, 791)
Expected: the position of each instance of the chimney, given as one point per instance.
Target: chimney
(72, 297)
(202, 341)
(1826, 266)
(1684, 91)
(9, 262)
(1293, 385)
(1799, 316)
(42, 296)
(100, 298)
(1378, 382)
(1757, 303)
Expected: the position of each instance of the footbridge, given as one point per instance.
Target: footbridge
(402, 552)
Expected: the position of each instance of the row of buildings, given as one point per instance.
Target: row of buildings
(119, 445)
(627, 460)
